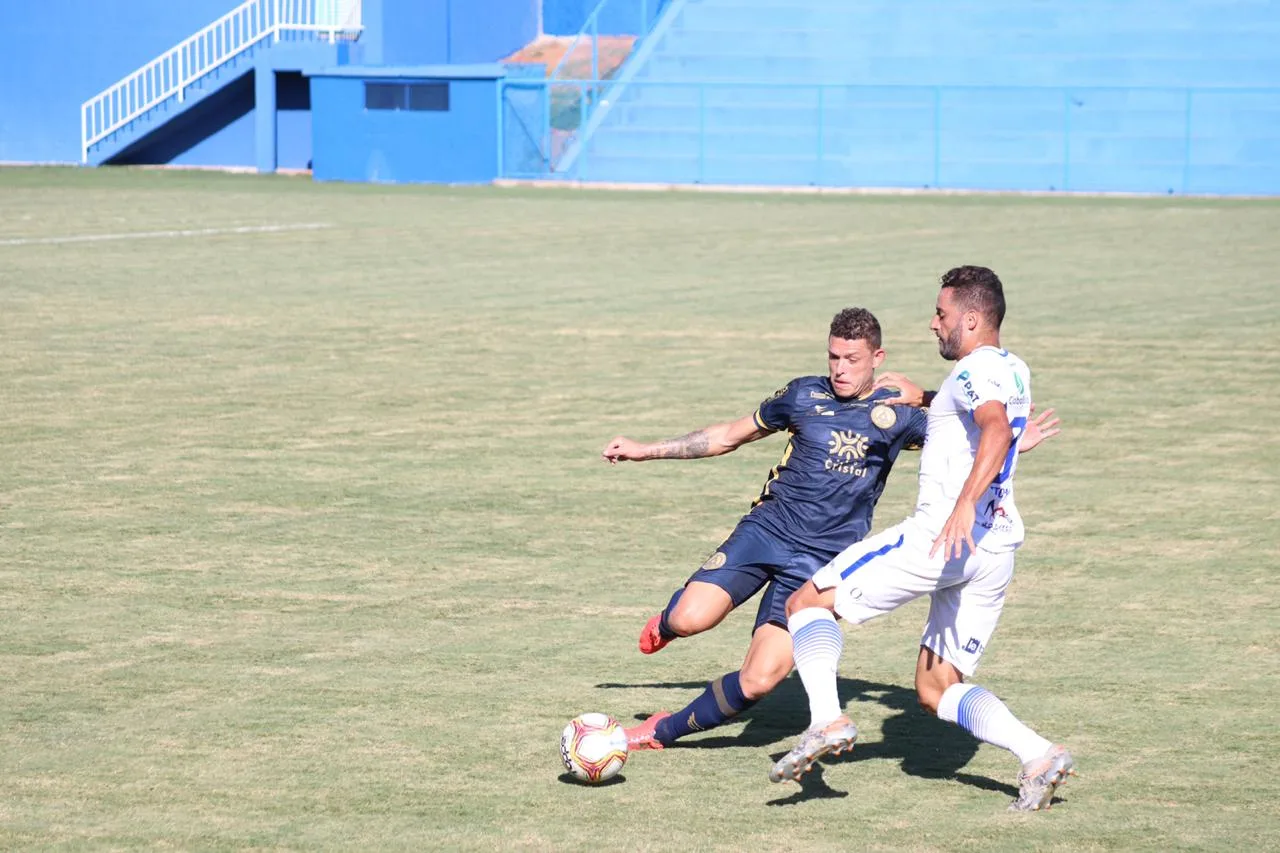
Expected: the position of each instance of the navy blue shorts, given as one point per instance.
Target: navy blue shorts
(753, 558)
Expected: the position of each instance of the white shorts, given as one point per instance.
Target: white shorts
(884, 572)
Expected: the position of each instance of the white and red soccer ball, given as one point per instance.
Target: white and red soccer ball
(593, 747)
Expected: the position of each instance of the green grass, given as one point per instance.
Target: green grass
(306, 543)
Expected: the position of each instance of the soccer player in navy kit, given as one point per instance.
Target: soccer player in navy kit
(843, 440)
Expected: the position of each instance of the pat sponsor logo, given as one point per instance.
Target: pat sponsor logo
(966, 384)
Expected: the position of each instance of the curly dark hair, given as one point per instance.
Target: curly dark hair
(977, 289)
(857, 324)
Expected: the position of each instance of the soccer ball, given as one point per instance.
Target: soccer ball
(593, 747)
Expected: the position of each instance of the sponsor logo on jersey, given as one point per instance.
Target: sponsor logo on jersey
(1017, 380)
(884, 417)
(715, 561)
(823, 410)
(973, 646)
(820, 395)
(848, 449)
(967, 384)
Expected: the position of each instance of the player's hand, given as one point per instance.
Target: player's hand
(909, 393)
(623, 449)
(957, 532)
(1043, 427)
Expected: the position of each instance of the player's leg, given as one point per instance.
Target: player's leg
(696, 607)
(768, 661)
(734, 573)
(862, 582)
(961, 622)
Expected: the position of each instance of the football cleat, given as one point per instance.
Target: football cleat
(833, 739)
(651, 639)
(642, 736)
(1041, 777)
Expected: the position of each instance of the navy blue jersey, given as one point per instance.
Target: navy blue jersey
(833, 470)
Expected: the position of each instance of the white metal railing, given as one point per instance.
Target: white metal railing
(169, 74)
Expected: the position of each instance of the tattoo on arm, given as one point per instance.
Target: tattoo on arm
(695, 445)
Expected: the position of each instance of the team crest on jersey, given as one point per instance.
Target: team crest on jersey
(884, 417)
(776, 394)
(715, 561)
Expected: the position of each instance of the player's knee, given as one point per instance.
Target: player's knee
(693, 619)
(928, 695)
(758, 681)
(805, 596)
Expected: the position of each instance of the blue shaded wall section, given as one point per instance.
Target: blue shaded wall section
(459, 145)
(427, 32)
(619, 17)
(58, 54)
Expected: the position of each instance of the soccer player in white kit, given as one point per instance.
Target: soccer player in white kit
(957, 547)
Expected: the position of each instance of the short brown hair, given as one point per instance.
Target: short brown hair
(977, 289)
(857, 324)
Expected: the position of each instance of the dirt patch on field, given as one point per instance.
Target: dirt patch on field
(549, 50)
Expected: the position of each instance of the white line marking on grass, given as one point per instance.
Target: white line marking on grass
(163, 235)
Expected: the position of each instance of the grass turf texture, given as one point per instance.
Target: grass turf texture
(306, 542)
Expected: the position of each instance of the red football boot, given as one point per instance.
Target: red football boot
(651, 639)
(641, 736)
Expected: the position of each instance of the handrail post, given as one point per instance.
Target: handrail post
(937, 137)
(818, 176)
(702, 133)
(1186, 153)
(182, 74)
(1066, 140)
(595, 46)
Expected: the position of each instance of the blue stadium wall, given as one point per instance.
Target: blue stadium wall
(58, 54)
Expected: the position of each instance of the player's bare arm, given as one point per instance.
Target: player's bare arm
(993, 445)
(714, 440)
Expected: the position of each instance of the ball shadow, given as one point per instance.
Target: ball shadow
(570, 779)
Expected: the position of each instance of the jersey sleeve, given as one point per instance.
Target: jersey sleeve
(914, 425)
(778, 412)
(980, 381)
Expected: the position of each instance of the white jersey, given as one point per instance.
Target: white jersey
(951, 444)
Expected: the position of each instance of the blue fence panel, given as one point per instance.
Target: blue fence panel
(1144, 140)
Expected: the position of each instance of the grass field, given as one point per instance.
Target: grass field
(306, 543)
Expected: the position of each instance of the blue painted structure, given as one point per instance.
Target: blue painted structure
(618, 17)
(455, 145)
(1146, 96)
(441, 32)
(59, 54)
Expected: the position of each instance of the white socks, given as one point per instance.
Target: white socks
(979, 712)
(817, 642)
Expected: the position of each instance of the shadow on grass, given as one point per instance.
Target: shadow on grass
(923, 745)
(570, 779)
